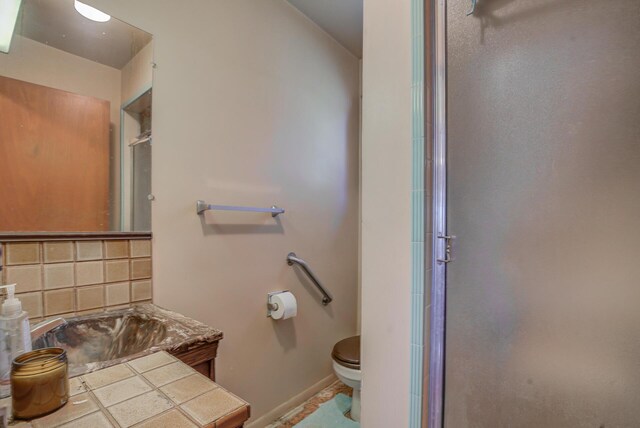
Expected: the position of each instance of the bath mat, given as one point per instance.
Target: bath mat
(330, 415)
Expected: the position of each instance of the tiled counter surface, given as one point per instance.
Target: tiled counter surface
(153, 391)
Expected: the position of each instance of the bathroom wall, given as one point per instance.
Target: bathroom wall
(254, 105)
(137, 74)
(386, 213)
(66, 277)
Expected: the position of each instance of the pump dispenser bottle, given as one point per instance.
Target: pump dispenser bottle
(15, 337)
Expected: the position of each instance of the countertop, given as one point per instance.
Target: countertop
(155, 390)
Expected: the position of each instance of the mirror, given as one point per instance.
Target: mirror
(75, 122)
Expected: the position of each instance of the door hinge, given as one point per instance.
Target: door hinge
(448, 249)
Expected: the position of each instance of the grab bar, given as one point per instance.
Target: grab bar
(292, 258)
(202, 206)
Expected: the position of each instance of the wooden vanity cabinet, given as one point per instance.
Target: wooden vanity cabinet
(201, 357)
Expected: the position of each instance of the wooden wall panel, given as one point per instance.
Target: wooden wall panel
(54, 159)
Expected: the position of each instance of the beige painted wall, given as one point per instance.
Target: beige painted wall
(253, 105)
(38, 63)
(386, 213)
(137, 74)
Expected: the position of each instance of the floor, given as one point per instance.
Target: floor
(296, 415)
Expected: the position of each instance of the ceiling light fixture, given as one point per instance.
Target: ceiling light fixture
(90, 12)
(8, 16)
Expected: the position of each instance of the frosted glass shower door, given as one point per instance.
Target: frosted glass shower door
(141, 187)
(543, 161)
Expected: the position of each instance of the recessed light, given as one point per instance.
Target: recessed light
(8, 16)
(90, 12)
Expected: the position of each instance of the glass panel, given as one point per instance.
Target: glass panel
(65, 163)
(141, 212)
(544, 199)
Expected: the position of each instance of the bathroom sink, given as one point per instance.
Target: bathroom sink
(105, 338)
(100, 340)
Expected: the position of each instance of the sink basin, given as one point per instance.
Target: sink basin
(105, 338)
(100, 340)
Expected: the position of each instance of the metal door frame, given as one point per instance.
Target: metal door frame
(438, 283)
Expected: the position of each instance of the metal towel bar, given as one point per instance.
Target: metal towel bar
(202, 206)
(292, 258)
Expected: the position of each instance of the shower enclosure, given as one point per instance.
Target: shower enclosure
(539, 321)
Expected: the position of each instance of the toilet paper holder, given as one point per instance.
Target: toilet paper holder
(271, 306)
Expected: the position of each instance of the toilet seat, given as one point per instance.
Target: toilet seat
(347, 352)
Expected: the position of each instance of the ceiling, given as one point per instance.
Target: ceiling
(56, 23)
(113, 43)
(342, 19)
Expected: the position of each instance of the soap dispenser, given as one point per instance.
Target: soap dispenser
(15, 335)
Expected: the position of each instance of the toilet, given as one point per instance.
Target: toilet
(346, 365)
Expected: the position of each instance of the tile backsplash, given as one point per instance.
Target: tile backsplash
(78, 277)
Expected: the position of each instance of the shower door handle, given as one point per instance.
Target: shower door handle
(448, 249)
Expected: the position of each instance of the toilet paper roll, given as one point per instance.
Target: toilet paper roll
(287, 306)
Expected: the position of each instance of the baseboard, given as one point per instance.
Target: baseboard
(292, 403)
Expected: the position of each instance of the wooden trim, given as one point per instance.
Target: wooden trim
(235, 419)
(68, 236)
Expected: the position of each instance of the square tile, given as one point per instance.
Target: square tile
(139, 408)
(59, 275)
(169, 373)
(116, 249)
(116, 308)
(121, 391)
(22, 253)
(32, 303)
(93, 420)
(89, 273)
(89, 312)
(108, 376)
(89, 297)
(140, 268)
(211, 406)
(59, 301)
(173, 419)
(77, 406)
(55, 252)
(117, 270)
(26, 278)
(117, 293)
(88, 250)
(141, 290)
(188, 387)
(155, 360)
(140, 248)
